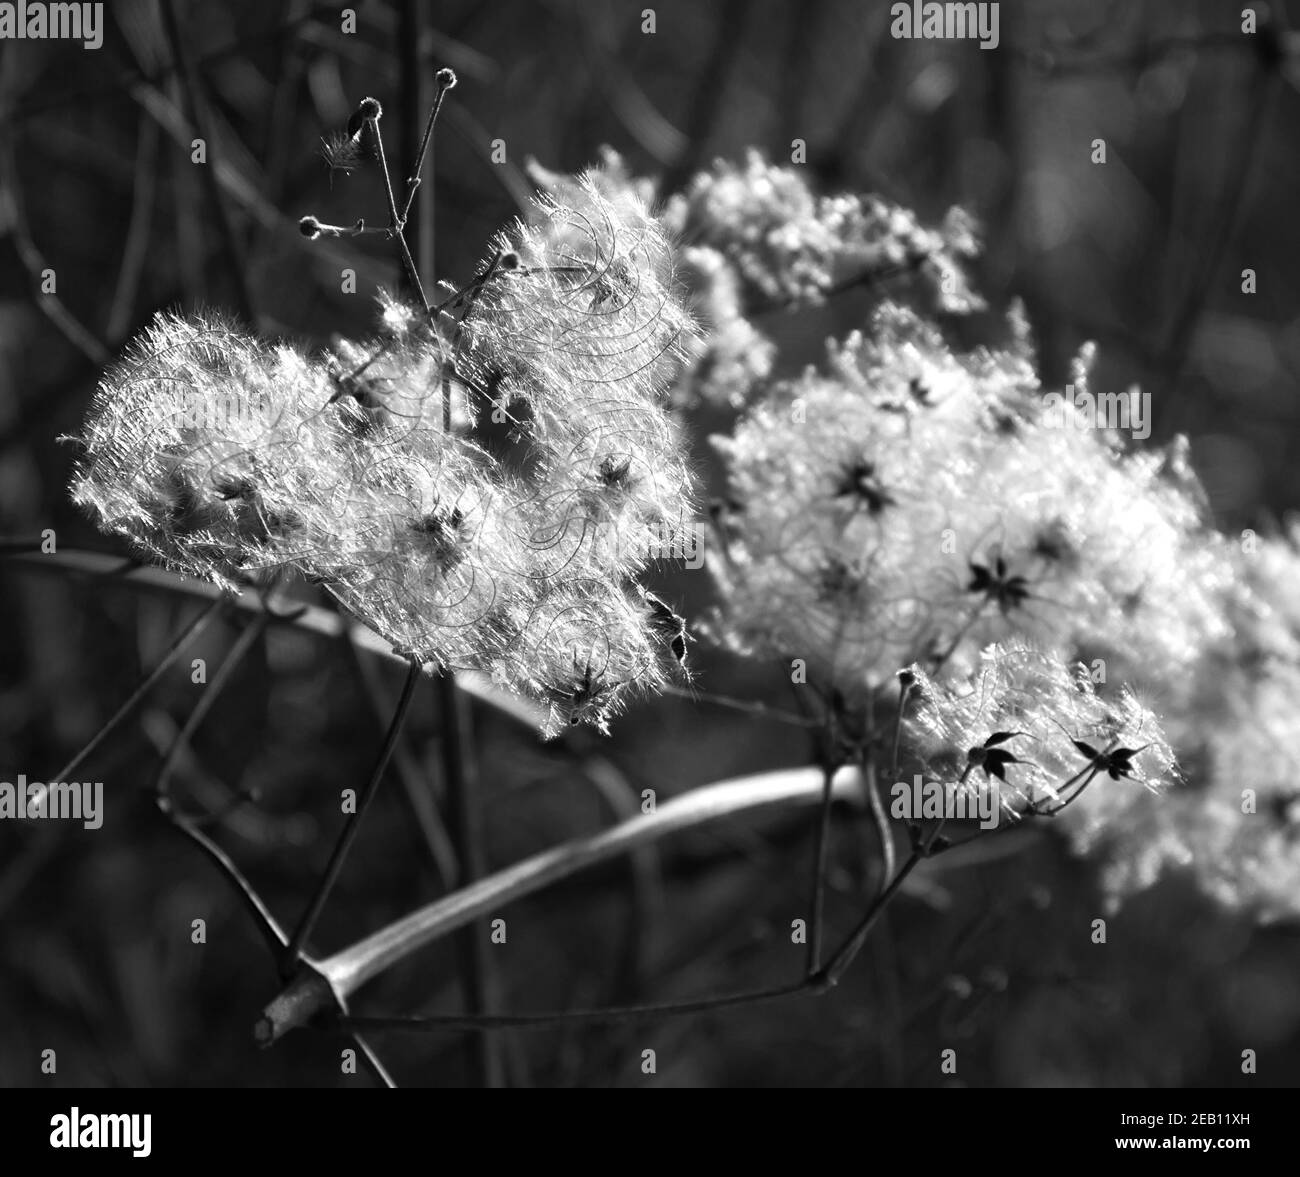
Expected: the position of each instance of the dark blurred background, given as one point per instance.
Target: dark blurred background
(990, 956)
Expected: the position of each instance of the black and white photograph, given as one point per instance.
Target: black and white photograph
(749, 544)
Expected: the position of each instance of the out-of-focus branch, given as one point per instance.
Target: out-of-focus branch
(34, 262)
(306, 617)
(198, 116)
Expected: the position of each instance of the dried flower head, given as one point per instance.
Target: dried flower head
(1035, 729)
(225, 457)
(791, 247)
(911, 503)
(587, 331)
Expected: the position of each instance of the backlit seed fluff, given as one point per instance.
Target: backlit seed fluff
(226, 457)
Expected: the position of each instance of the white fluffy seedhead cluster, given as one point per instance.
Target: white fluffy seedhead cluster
(755, 238)
(791, 247)
(583, 339)
(734, 358)
(201, 445)
(1026, 724)
(225, 457)
(909, 503)
(1236, 722)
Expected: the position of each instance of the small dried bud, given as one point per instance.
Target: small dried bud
(508, 260)
(367, 109)
(446, 79)
(309, 227)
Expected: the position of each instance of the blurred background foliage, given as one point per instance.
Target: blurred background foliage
(989, 952)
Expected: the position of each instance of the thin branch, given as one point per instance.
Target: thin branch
(371, 1060)
(873, 277)
(135, 248)
(852, 945)
(478, 138)
(271, 932)
(263, 920)
(173, 122)
(706, 101)
(310, 618)
(617, 89)
(229, 664)
(1035, 812)
(646, 900)
(820, 849)
(417, 102)
(1227, 221)
(457, 335)
(146, 684)
(462, 803)
(198, 117)
(445, 80)
(34, 262)
(748, 706)
(414, 785)
(905, 688)
(926, 847)
(353, 824)
(40, 100)
(884, 831)
(625, 1013)
(395, 218)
